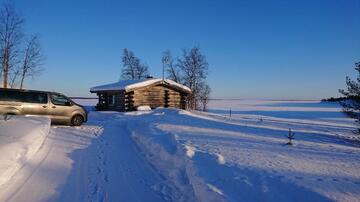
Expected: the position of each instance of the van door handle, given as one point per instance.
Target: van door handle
(53, 107)
(44, 106)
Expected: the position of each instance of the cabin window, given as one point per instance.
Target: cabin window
(111, 100)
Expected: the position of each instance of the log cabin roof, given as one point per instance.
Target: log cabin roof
(129, 85)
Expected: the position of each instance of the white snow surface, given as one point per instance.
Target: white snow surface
(128, 85)
(176, 155)
(20, 138)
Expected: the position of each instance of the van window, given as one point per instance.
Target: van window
(57, 99)
(12, 96)
(33, 97)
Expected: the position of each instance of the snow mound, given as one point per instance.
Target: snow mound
(20, 138)
(220, 159)
(190, 151)
(144, 108)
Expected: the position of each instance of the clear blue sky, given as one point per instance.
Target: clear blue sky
(256, 49)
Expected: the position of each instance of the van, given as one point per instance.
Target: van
(59, 108)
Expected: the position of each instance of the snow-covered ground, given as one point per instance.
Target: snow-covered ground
(20, 138)
(176, 155)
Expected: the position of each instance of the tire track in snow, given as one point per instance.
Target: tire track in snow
(120, 172)
(95, 185)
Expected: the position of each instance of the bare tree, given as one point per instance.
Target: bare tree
(173, 72)
(142, 71)
(11, 34)
(130, 63)
(33, 58)
(132, 68)
(13, 76)
(194, 68)
(204, 96)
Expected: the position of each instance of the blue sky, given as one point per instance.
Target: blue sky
(256, 49)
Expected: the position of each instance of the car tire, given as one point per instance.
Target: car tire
(77, 120)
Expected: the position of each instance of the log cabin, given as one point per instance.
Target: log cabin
(128, 95)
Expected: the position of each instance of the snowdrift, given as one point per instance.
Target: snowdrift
(20, 138)
(171, 159)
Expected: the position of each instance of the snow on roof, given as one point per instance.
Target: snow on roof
(128, 85)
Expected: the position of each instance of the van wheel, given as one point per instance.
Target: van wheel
(77, 120)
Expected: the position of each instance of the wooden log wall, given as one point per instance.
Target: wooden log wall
(156, 96)
(129, 101)
(120, 101)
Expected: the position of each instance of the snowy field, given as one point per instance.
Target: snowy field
(175, 155)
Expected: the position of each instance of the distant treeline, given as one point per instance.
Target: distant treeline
(338, 99)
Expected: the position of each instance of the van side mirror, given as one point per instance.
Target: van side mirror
(67, 103)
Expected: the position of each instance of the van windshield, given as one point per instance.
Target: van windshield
(57, 99)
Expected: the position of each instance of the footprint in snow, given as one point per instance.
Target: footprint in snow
(96, 189)
(243, 178)
(299, 178)
(106, 178)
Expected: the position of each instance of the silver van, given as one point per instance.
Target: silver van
(59, 108)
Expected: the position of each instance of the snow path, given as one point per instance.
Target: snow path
(95, 162)
(116, 171)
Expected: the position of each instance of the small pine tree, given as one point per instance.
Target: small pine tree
(351, 105)
(290, 136)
